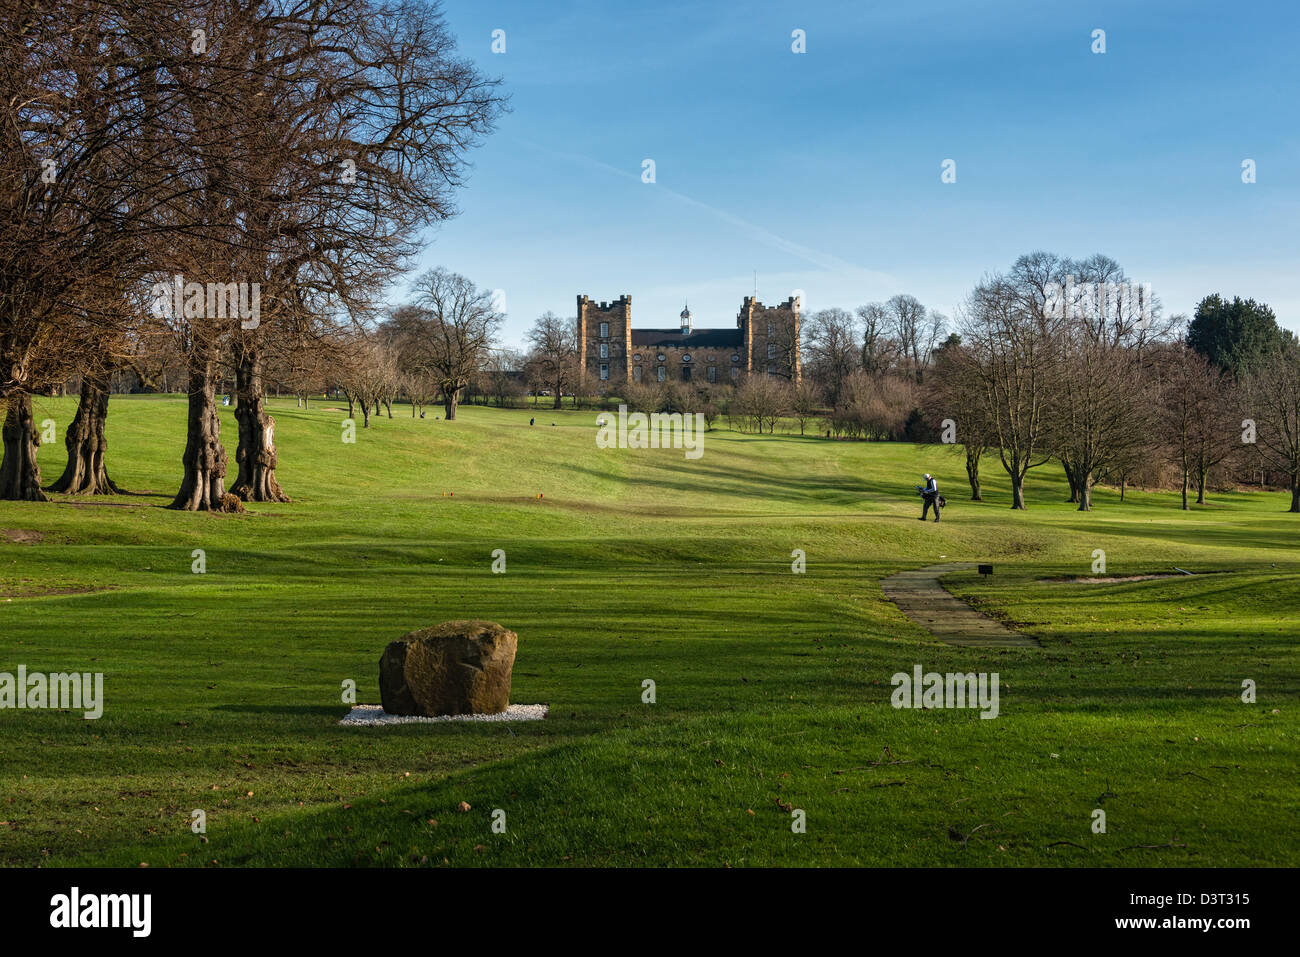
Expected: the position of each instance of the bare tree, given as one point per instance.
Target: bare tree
(1103, 402)
(954, 397)
(878, 350)
(316, 140)
(554, 352)
(874, 407)
(1199, 415)
(448, 333)
(832, 350)
(86, 469)
(368, 375)
(74, 165)
(761, 400)
(1273, 401)
(419, 389)
(917, 331)
(804, 400)
(1100, 408)
(504, 376)
(1012, 343)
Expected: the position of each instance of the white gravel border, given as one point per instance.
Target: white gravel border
(369, 715)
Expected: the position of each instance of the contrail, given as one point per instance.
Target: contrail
(753, 230)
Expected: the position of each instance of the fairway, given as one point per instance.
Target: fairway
(223, 690)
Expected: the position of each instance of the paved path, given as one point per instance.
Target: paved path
(921, 598)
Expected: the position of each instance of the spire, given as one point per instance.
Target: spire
(686, 319)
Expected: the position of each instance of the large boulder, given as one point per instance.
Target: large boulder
(458, 667)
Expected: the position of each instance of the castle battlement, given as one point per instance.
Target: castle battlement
(604, 306)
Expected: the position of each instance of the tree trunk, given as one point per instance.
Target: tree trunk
(256, 455)
(203, 485)
(451, 400)
(85, 473)
(973, 475)
(559, 397)
(20, 475)
(1185, 485)
(1123, 484)
(365, 414)
(352, 408)
(1295, 493)
(1018, 492)
(1085, 497)
(1200, 487)
(1073, 480)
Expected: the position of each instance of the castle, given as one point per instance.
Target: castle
(611, 352)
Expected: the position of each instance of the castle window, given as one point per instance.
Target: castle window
(735, 358)
(735, 372)
(637, 357)
(604, 372)
(636, 373)
(713, 373)
(604, 329)
(771, 369)
(686, 373)
(686, 358)
(771, 351)
(660, 357)
(663, 374)
(604, 350)
(771, 328)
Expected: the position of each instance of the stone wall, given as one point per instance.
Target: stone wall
(686, 364)
(617, 343)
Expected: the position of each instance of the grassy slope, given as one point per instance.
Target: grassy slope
(223, 689)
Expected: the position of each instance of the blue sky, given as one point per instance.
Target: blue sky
(821, 171)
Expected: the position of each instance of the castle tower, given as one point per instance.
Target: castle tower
(686, 320)
(770, 338)
(604, 342)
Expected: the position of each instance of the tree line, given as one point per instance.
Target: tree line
(1055, 359)
(207, 191)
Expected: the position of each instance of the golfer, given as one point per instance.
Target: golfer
(929, 496)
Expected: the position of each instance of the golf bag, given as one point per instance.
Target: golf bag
(942, 502)
(939, 501)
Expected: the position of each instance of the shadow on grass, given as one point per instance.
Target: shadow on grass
(85, 501)
(335, 711)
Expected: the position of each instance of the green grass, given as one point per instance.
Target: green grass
(223, 689)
